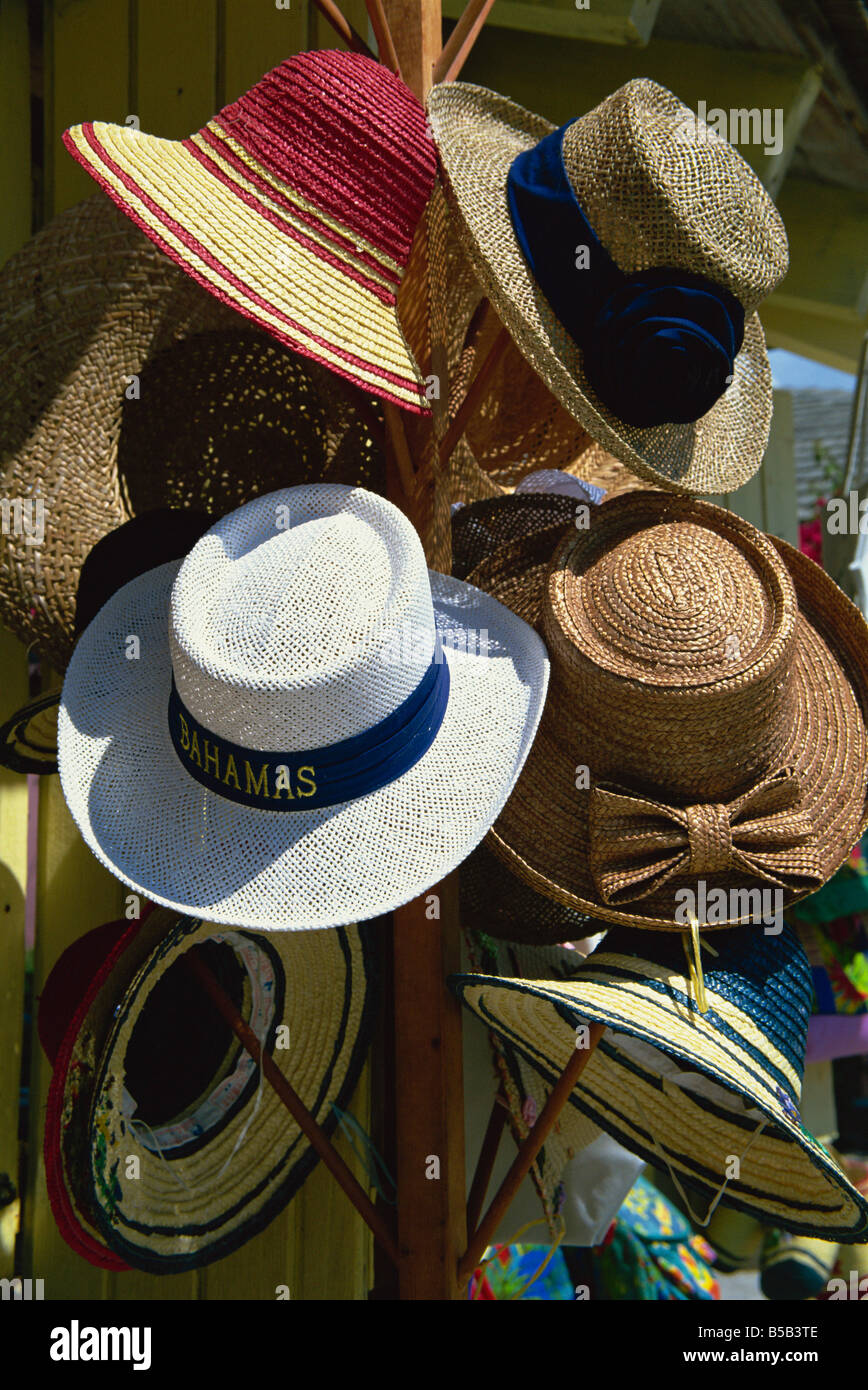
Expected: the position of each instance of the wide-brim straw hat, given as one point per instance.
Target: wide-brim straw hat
(580, 1174)
(658, 190)
(305, 622)
(706, 728)
(74, 1016)
(218, 1155)
(296, 204)
(28, 738)
(125, 387)
(690, 1090)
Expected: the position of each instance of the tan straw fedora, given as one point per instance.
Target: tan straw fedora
(124, 387)
(704, 739)
(627, 254)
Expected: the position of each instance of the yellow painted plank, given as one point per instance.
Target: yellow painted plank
(828, 234)
(594, 21)
(15, 204)
(13, 884)
(86, 79)
(74, 893)
(823, 337)
(253, 49)
(332, 1251)
(176, 65)
(562, 79)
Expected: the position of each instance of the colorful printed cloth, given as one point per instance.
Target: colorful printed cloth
(838, 953)
(846, 892)
(654, 1253)
(650, 1253)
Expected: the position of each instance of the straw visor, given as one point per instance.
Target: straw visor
(403, 702)
(679, 219)
(296, 204)
(706, 724)
(687, 1090)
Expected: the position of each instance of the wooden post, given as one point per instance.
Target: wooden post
(428, 1093)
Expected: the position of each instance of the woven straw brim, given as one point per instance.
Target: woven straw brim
(182, 845)
(543, 836)
(66, 1138)
(786, 1177)
(263, 267)
(186, 1211)
(572, 1131)
(478, 135)
(28, 738)
(497, 902)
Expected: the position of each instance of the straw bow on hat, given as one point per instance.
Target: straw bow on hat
(627, 254)
(706, 728)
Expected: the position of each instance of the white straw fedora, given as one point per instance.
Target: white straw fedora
(402, 702)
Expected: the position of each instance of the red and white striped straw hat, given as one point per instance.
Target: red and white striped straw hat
(296, 205)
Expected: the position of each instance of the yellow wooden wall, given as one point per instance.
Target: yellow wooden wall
(172, 63)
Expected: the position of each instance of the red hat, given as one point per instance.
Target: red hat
(296, 205)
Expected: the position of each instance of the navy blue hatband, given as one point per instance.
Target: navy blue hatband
(326, 776)
(658, 345)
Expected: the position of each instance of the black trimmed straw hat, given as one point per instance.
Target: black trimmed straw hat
(147, 1069)
(690, 1075)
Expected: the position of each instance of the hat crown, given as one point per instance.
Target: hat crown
(673, 622)
(344, 133)
(660, 188)
(281, 618)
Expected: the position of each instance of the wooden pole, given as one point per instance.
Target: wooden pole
(457, 48)
(341, 25)
(474, 395)
(383, 35)
(293, 1102)
(428, 1094)
(485, 1162)
(523, 1161)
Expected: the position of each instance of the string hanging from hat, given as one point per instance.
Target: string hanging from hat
(513, 1240)
(132, 1121)
(369, 1156)
(661, 1154)
(261, 1075)
(692, 942)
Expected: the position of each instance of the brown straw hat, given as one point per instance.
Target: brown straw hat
(123, 387)
(651, 340)
(705, 727)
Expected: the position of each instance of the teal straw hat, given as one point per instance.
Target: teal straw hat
(702, 1078)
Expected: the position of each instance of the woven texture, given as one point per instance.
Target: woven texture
(481, 528)
(713, 684)
(235, 1157)
(222, 411)
(296, 205)
(108, 958)
(684, 1088)
(524, 1089)
(286, 638)
(657, 193)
